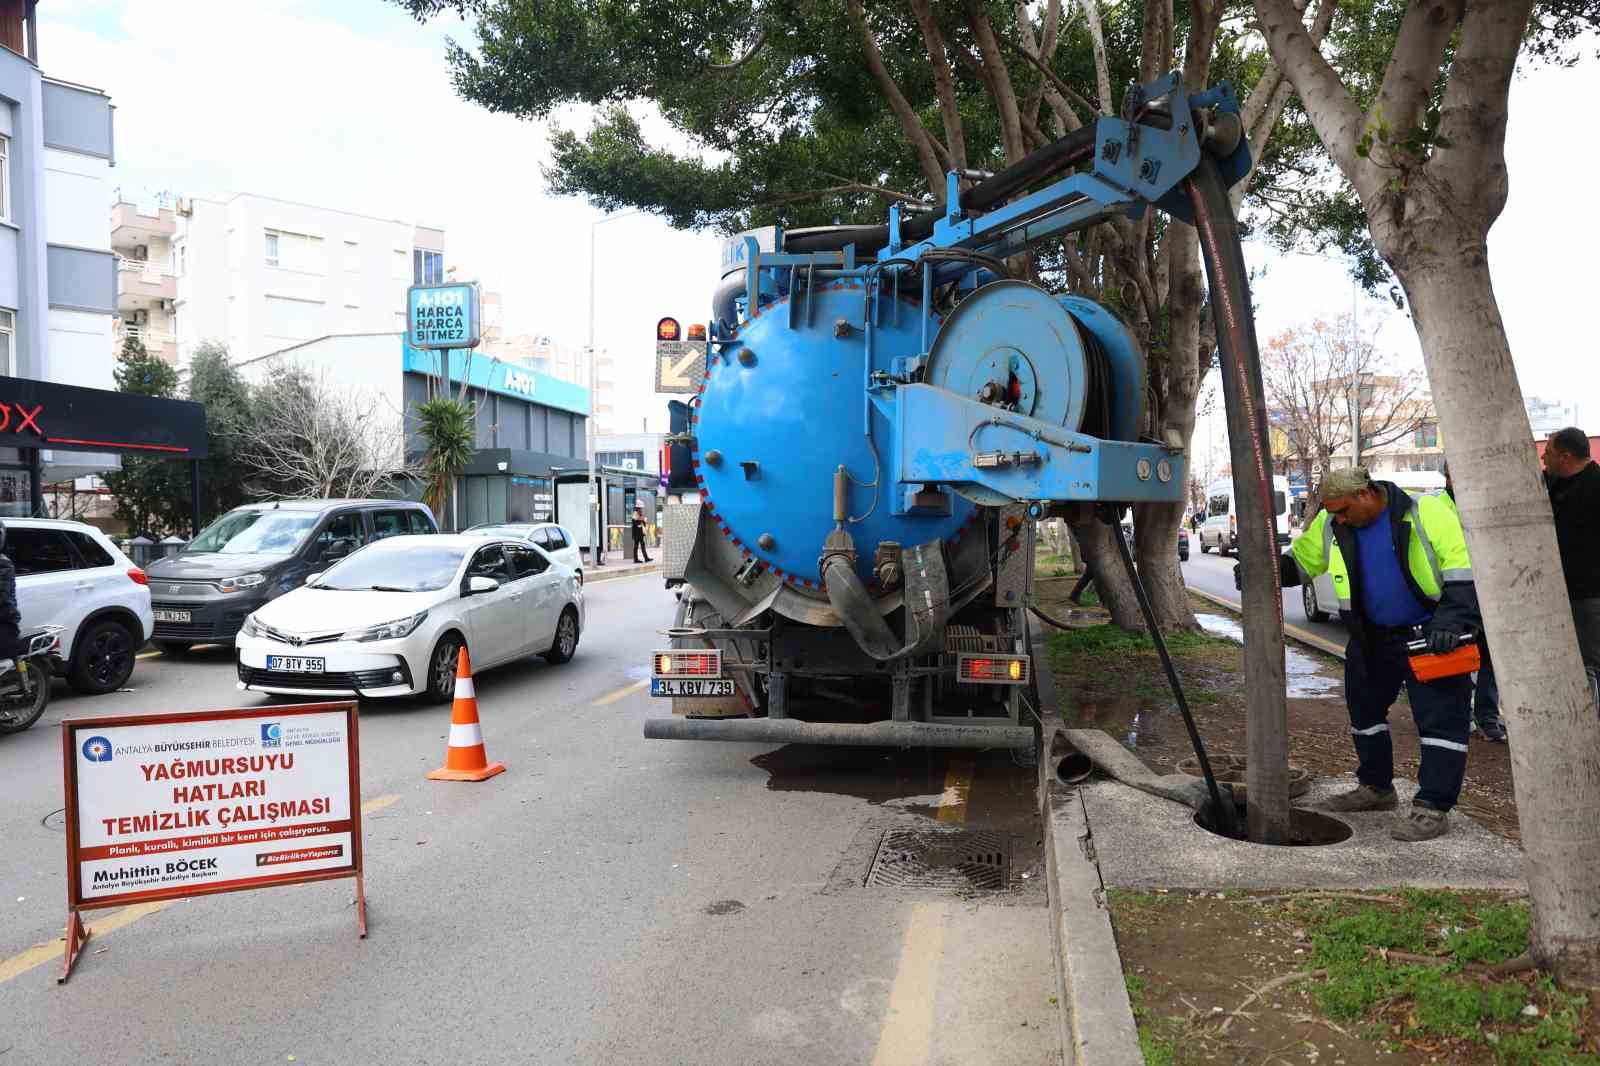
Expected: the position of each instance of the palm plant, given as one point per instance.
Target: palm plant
(446, 426)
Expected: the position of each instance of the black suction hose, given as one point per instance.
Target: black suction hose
(1226, 815)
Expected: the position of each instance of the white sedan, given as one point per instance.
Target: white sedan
(389, 619)
(556, 541)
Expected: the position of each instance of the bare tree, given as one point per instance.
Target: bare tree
(1315, 374)
(310, 439)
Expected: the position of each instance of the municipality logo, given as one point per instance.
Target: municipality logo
(271, 735)
(97, 749)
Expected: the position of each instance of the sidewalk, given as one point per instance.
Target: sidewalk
(618, 564)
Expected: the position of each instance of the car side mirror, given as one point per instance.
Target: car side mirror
(338, 549)
(478, 584)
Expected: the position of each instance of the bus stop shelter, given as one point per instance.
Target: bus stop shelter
(620, 491)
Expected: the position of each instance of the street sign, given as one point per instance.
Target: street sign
(680, 365)
(443, 316)
(168, 806)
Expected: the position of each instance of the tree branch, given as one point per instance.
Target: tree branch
(1155, 40)
(921, 140)
(1267, 100)
(1097, 44)
(1414, 65)
(1334, 115)
(750, 53)
(1005, 96)
(1057, 83)
(1473, 116)
(949, 107)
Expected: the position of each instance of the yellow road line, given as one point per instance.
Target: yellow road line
(621, 692)
(378, 803)
(907, 1036)
(957, 787)
(147, 655)
(40, 954)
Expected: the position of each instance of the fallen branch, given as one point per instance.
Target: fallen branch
(1266, 990)
(1521, 964)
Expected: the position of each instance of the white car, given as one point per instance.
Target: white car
(557, 541)
(71, 575)
(389, 619)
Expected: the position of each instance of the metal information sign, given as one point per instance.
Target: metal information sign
(443, 316)
(680, 365)
(172, 805)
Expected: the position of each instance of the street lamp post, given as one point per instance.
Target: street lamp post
(597, 539)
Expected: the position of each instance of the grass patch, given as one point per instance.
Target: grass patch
(1410, 1003)
(1105, 661)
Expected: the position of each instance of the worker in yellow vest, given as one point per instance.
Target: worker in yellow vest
(1397, 562)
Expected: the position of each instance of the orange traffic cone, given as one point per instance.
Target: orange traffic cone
(465, 760)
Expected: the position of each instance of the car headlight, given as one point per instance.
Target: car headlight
(400, 627)
(249, 627)
(242, 582)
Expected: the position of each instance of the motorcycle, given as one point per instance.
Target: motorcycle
(25, 680)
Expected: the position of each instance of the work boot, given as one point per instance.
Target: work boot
(1363, 798)
(1493, 731)
(1421, 822)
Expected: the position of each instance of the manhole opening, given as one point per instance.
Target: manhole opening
(1306, 828)
(962, 859)
(56, 819)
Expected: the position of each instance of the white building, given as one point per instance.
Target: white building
(630, 451)
(259, 274)
(1547, 416)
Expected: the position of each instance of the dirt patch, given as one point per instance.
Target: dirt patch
(1331, 979)
(1112, 680)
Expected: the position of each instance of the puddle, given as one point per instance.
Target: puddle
(1303, 673)
(912, 780)
(1124, 717)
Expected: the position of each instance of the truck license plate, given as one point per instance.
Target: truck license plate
(172, 616)
(296, 664)
(665, 686)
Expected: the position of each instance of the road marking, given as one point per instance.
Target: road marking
(957, 787)
(907, 1036)
(380, 802)
(147, 655)
(40, 954)
(621, 692)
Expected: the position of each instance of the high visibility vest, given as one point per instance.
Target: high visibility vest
(1437, 549)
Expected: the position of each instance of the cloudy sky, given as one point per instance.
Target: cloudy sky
(348, 104)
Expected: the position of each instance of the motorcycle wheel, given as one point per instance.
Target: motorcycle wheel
(20, 710)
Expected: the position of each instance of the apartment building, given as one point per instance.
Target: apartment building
(1547, 416)
(260, 274)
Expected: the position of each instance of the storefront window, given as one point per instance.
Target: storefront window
(8, 345)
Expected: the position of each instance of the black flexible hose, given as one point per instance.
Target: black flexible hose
(1226, 815)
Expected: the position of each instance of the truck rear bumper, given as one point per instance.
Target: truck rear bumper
(874, 734)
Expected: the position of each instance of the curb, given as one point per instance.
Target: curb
(1094, 1014)
(590, 576)
(1304, 636)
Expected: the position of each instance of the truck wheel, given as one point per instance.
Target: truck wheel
(102, 658)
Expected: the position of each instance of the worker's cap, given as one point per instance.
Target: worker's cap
(1346, 481)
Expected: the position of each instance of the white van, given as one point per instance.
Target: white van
(1220, 529)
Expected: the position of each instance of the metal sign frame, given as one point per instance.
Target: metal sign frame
(78, 933)
(472, 333)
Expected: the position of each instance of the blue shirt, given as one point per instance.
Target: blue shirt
(1386, 599)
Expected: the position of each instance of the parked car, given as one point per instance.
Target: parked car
(71, 575)
(1220, 527)
(556, 541)
(256, 553)
(390, 619)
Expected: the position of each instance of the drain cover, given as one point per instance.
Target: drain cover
(941, 859)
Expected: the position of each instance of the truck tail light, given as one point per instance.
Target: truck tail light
(138, 577)
(994, 669)
(687, 664)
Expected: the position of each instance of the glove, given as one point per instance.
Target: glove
(1441, 641)
(1238, 576)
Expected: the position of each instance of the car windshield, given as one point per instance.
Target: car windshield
(255, 532)
(501, 531)
(395, 566)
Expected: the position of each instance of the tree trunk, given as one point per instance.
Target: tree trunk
(1553, 725)
(1110, 577)
(1156, 533)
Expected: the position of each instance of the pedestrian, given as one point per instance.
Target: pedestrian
(638, 536)
(1574, 483)
(1485, 690)
(1397, 562)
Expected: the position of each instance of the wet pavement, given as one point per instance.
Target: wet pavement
(1306, 676)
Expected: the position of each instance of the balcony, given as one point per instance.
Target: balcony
(131, 227)
(141, 284)
(156, 343)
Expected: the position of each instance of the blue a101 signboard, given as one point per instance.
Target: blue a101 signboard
(442, 316)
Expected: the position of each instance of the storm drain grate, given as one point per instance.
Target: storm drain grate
(941, 859)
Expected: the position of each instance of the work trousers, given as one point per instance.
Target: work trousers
(638, 546)
(1442, 710)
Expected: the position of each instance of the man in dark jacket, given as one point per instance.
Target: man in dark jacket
(638, 536)
(1398, 563)
(1574, 482)
(1485, 689)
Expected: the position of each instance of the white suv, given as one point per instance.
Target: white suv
(71, 575)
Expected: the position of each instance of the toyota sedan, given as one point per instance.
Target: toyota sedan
(390, 619)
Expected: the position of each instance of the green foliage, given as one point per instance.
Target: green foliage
(230, 420)
(146, 489)
(137, 371)
(445, 425)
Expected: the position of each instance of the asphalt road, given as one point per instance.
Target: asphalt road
(1213, 573)
(608, 899)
